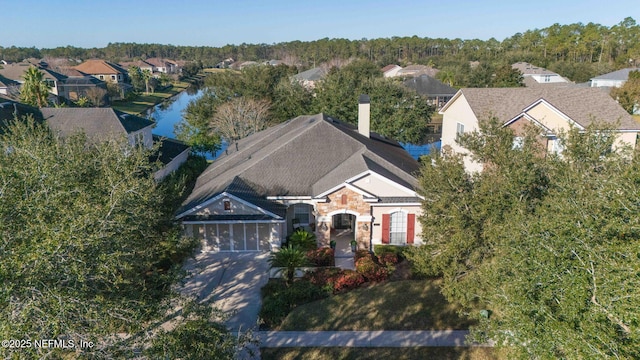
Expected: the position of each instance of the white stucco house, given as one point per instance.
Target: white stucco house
(550, 108)
(612, 79)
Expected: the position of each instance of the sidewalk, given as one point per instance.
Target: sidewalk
(423, 338)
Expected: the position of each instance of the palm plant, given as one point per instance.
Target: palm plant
(303, 239)
(34, 90)
(288, 259)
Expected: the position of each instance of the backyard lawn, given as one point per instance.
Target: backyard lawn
(392, 305)
(378, 353)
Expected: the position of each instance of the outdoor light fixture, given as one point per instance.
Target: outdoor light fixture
(365, 227)
(323, 226)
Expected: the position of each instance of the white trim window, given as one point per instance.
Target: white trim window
(301, 214)
(459, 131)
(398, 228)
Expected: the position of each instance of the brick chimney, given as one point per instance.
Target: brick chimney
(364, 115)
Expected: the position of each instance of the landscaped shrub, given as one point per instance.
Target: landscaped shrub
(371, 270)
(388, 259)
(380, 249)
(323, 277)
(362, 254)
(335, 279)
(303, 240)
(321, 257)
(278, 299)
(347, 280)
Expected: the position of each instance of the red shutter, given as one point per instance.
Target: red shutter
(385, 228)
(411, 228)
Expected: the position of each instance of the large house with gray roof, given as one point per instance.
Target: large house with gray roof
(552, 109)
(313, 172)
(99, 124)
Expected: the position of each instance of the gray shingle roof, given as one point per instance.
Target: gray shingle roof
(168, 150)
(311, 74)
(429, 86)
(304, 156)
(529, 69)
(582, 105)
(94, 122)
(616, 75)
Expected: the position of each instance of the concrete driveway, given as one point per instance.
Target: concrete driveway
(232, 281)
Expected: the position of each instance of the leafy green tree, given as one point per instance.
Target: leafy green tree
(628, 96)
(546, 243)
(35, 90)
(137, 80)
(396, 112)
(85, 231)
(200, 335)
(290, 99)
(506, 76)
(194, 128)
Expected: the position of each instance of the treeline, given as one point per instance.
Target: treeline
(599, 47)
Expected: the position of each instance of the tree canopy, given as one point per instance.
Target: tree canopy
(547, 244)
(89, 247)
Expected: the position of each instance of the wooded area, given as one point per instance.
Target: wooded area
(577, 51)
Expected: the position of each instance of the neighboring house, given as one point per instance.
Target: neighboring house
(550, 108)
(612, 79)
(313, 172)
(162, 65)
(436, 92)
(309, 78)
(143, 65)
(537, 74)
(8, 87)
(103, 123)
(15, 72)
(78, 84)
(391, 70)
(103, 70)
(417, 70)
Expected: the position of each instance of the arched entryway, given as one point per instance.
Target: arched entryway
(343, 231)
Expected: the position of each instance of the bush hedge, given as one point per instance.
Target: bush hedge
(278, 299)
(321, 257)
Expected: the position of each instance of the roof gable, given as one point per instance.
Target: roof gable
(584, 106)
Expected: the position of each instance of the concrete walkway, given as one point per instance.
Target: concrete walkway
(343, 253)
(425, 338)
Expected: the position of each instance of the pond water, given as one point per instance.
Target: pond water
(169, 112)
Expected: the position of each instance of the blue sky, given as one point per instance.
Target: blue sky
(95, 23)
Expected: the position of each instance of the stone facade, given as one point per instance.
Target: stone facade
(347, 201)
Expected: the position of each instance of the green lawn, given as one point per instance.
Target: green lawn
(378, 353)
(393, 305)
(145, 101)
